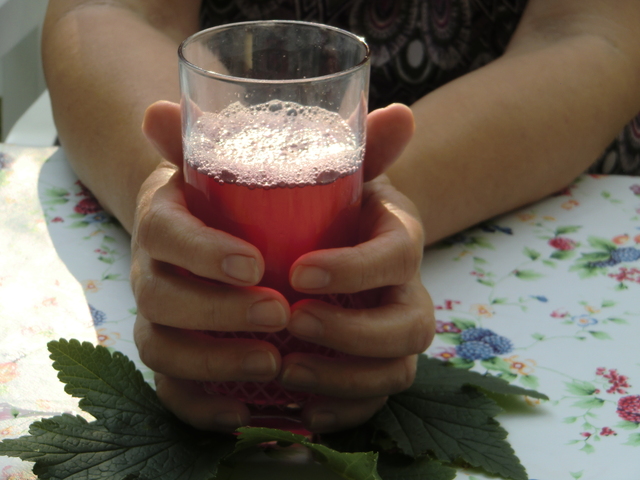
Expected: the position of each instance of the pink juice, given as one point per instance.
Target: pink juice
(287, 179)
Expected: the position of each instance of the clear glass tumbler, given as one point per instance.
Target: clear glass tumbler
(273, 122)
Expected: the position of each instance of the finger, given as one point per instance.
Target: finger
(162, 125)
(402, 325)
(391, 255)
(168, 297)
(168, 232)
(195, 355)
(389, 130)
(328, 414)
(191, 404)
(348, 377)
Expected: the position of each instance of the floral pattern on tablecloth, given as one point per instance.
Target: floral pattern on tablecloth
(547, 297)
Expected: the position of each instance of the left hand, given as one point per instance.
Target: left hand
(386, 338)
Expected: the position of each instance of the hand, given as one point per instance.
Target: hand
(174, 307)
(386, 338)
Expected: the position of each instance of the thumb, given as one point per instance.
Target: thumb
(162, 127)
(389, 130)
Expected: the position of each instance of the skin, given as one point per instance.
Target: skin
(498, 138)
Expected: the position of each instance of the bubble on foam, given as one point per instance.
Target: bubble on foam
(275, 144)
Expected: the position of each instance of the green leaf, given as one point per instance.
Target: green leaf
(499, 301)
(527, 274)
(463, 323)
(602, 244)
(549, 263)
(424, 468)
(450, 338)
(634, 440)
(600, 335)
(532, 254)
(427, 418)
(608, 303)
(563, 254)
(56, 192)
(619, 321)
(627, 425)
(529, 381)
(576, 475)
(133, 434)
(538, 336)
(488, 283)
(577, 387)
(591, 402)
(351, 466)
(496, 363)
(588, 448)
(570, 420)
(79, 224)
(567, 229)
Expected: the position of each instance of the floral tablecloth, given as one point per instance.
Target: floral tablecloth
(547, 297)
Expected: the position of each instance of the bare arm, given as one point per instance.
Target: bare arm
(528, 123)
(105, 63)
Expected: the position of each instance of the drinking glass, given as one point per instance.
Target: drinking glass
(273, 119)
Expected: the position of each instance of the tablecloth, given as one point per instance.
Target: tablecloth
(547, 297)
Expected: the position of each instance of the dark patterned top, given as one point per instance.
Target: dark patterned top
(419, 45)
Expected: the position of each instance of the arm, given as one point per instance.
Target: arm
(528, 123)
(105, 63)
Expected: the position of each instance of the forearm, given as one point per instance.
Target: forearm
(517, 129)
(105, 64)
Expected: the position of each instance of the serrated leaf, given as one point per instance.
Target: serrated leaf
(109, 386)
(133, 435)
(441, 415)
(351, 466)
(424, 468)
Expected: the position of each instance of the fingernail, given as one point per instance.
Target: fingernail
(259, 362)
(228, 419)
(299, 376)
(241, 268)
(267, 313)
(323, 421)
(305, 325)
(310, 278)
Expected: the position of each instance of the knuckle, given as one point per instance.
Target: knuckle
(145, 291)
(422, 333)
(409, 367)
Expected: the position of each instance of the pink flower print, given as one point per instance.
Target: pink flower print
(87, 206)
(618, 382)
(444, 353)
(625, 274)
(629, 408)
(562, 243)
(448, 305)
(637, 237)
(585, 434)
(57, 220)
(559, 313)
(446, 327)
(606, 432)
(635, 189)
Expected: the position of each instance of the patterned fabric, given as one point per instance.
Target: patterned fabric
(419, 45)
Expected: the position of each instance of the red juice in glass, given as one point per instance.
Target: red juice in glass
(286, 178)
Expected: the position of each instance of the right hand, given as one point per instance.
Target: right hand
(170, 247)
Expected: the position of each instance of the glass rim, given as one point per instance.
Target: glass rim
(230, 78)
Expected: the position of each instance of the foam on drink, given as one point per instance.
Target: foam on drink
(274, 144)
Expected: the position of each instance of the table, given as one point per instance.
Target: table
(558, 282)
